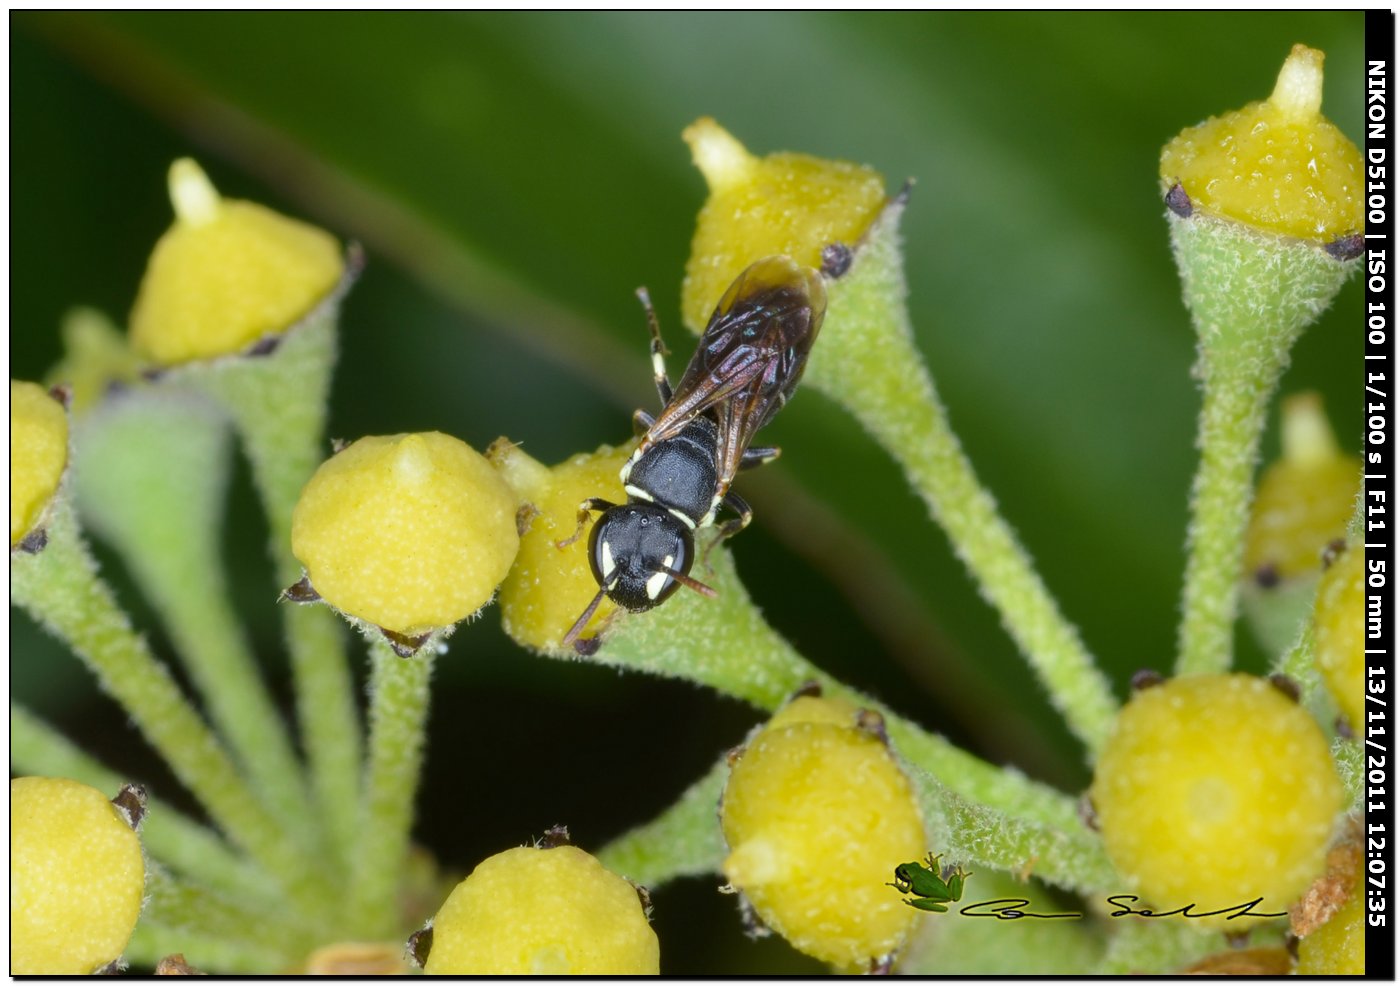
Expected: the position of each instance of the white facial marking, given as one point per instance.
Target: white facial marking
(658, 581)
(607, 564)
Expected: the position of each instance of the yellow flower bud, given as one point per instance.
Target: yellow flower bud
(549, 587)
(226, 274)
(407, 532)
(817, 815)
(95, 355)
(1213, 790)
(784, 203)
(1338, 617)
(1304, 499)
(1278, 164)
(38, 454)
(543, 912)
(76, 878)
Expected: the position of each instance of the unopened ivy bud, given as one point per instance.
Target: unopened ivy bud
(226, 274)
(785, 203)
(544, 912)
(76, 878)
(1278, 164)
(549, 586)
(38, 454)
(1338, 621)
(1302, 505)
(1304, 499)
(407, 532)
(817, 814)
(1214, 790)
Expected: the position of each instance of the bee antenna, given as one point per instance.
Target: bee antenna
(689, 583)
(582, 621)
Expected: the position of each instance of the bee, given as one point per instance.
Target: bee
(745, 368)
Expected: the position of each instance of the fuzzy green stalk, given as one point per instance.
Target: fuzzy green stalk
(1068, 856)
(867, 361)
(725, 644)
(151, 474)
(184, 845)
(684, 840)
(1250, 295)
(398, 714)
(189, 909)
(60, 588)
(278, 404)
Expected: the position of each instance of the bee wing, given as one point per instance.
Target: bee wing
(752, 351)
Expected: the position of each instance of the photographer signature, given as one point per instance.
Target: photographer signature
(1013, 909)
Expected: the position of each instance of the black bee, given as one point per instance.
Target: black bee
(745, 368)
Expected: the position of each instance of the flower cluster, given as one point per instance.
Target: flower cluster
(1210, 788)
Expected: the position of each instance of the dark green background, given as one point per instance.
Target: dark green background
(513, 177)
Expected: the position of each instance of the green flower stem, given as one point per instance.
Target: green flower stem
(725, 643)
(173, 838)
(188, 909)
(1232, 421)
(398, 713)
(61, 589)
(151, 476)
(867, 361)
(1066, 856)
(1250, 295)
(278, 404)
(684, 840)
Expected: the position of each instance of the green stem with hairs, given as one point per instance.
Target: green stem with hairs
(166, 834)
(150, 478)
(867, 361)
(1250, 295)
(59, 586)
(725, 644)
(278, 404)
(398, 715)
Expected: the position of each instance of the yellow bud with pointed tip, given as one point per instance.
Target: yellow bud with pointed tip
(1304, 499)
(543, 912)
(817, 814)
(226, 274)
(784, 203)
(1338, 622)
(1278, 164)
(408, 532)
(77, 878)
(1214, 790)
(38, 454)
(549, 587)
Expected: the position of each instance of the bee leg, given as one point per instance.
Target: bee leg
(584, 508)
(754, 457)
(732, 526)
(642, 422)
(658, 350)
